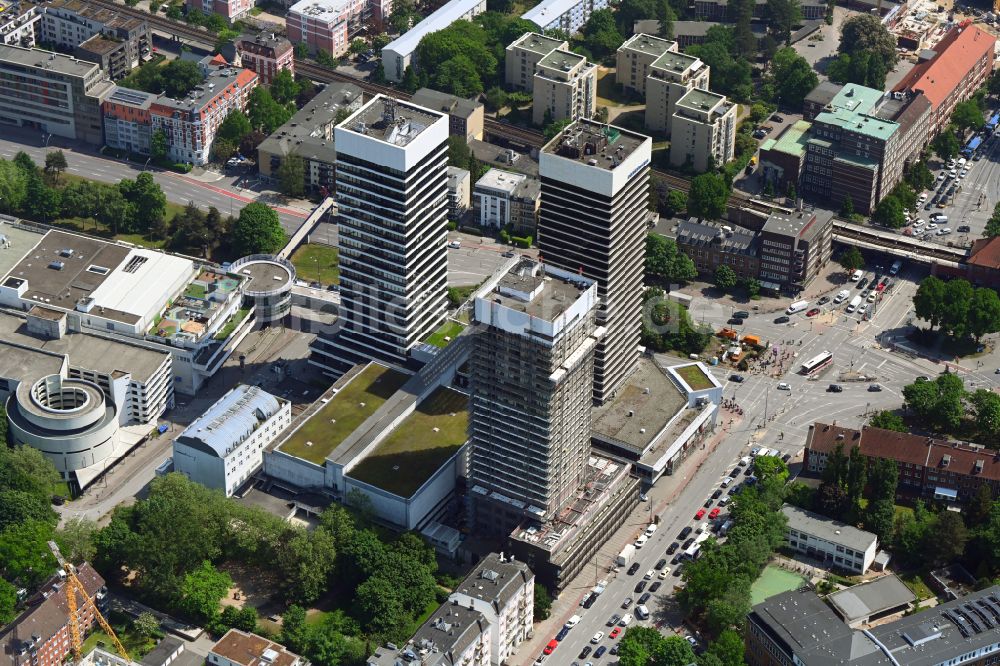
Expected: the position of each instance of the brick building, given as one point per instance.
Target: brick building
(710, 245)
(230, 10)
(266, 55)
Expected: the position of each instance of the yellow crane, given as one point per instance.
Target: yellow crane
(74, 586)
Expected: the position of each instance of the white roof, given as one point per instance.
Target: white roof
(498, 179)
(227, 423)
(406, 43)
(141, 290)
(325, 10)
(828, 529)
(548, 11)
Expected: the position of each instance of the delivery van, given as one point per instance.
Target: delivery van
(853, 305)
(797, 306)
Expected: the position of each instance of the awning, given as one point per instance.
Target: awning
(945, 493)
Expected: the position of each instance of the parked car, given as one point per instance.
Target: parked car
(640, 586)
(823, 301)
(714, 513)
(617, 630)
(626, 603)
(874, 388)
(813, 312)
(783, 319)
(784, 386)
(964, 229)
(717, 494)
(585, 651)
(734, 321)
(612, 621)
(736, 378)
(741, 314)
(645, 597)
(834, 388)
(655, 586)
(599, 652)
(672, 548)
(699, 514)
(632, 569)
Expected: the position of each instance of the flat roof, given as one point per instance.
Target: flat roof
(27, 364)
(449, 631)
(613, 144)
(99, 45)
(860, 602)
(852, 109)
(15, 243)
(362, 391)
(265, 275)
(565, 60)
(445, 103)
(215, 84)
(651, 399)
(792, 141)
(824, 92)
(390, 120)
(406, 43)
(831, 530)
(320, 10)
(309, 133)
(787, 225)
(674, 61)
(536, 43)
(503, 181)
(229, 421)
(548, 11)
(548, 296)
(701, 100)
(49, 60)
(417, 447)
(648, 44)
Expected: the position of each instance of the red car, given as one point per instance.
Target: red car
(714, 513)
(700, 514)
(553, 644)
(813, 312)
(614, 632)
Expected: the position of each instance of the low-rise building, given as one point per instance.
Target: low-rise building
(19, 23)
(565, 87)
(819, 98)
(118, 42)
(872, 600)
(224, 447)
(783, 158)
(453, 634)
(522, 56)
(465, 116)
(239, 648)
(566, 15)
(671, 76)
(459, 192)
(309, 135)
(702, 130)
(689, 33)
(794, 248)
(719, 10)
(398, 54)
(231, 10)
(493, 195)
(835, 544)
(266, 54)
(710, 245)
(635, 57)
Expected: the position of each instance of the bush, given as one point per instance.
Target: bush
(522, 241)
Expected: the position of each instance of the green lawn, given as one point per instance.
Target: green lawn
(695, 377)
(195, 290)
(917, 585)
(317, 263)
(135, 645)
(405, 459)
(231, 325)
(774, 580)
(321, 434)
(450, 329)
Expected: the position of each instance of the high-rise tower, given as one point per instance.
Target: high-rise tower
(392, 182)
(595, 191)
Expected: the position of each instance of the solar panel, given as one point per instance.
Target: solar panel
(983, 615)
(970, 618)
(958, 622)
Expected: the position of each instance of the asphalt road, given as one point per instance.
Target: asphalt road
(476, 259)
(983, 179)
(180, 189)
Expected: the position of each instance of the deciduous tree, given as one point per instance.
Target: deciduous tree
(708, 196)
(725, 277)
(292, 176)
(258, 230)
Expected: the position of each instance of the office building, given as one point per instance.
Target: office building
(52, 93)
(799, 628)
(929, 468)
(710, 245)
(309, 135)
(565, 87)
(400, 53)
(239, 648)
(115, 41)
(703, 130)
(635, 57)
(465, 116)
(459, 192)
(523, 55)
(956, 67)
(566, 15)
(483, 622)
(671, 76)
(794, 248)
(819, 98)
(392, 189)
(231, 10)
(836, 544)
(224, 447)
(592, 221)
(19, 23)
(531, 380)
(266, 55)
(41, 634)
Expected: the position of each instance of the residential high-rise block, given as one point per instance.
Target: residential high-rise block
(531, 381)
(392, 194)
(565, 87)
(636, 56)
(703, 130)
(671, 76)
(592, 221)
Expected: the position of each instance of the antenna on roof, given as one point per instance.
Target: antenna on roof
(388, 110)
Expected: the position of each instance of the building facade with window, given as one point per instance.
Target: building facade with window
(834, 543)
(115, 41)
(565, 88)
(231, 10)
(671, 76)
(794, 248)
(523, 55)
(702, 130)
(635, 58)
(266, 55)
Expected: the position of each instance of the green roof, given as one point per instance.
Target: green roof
(856, 160)
(792, 141)
(851, 110)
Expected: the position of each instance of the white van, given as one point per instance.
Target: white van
(797, 306)
(572, 622)
(938, 218)
(642, 612)
(625, 621)
(857, 275)
(853, 305)
(841, 296)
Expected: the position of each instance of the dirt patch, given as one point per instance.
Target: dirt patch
(251, 587)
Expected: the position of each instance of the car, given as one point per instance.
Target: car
(872, 296)
(813, 312)
(708, 503)
(509, 254)
(834, 388)
(734, 321)
(863, 309)
(589, 600)
(455, 244)
(613, 620)
(585, 651)
(944, 232)
(677, 572)
(741, 314)
(778, 119)
(640, 586)
(865, 293)
(662, 562)
(930, 204)
(626, 603)
(596, 638)
(786, 457)
(650, 574)
(632, 569)
(692, 640)
(874, 388)
(699, 514)
(759, 134)
(617, 630)
(714, 513)
(823, 301)
(552, 645)
(863, 283)
(687, 544)
(675, 560)
(599, 652)
(724, 501)
(923, 378)
(684, 533)
(717, 494)
(562, 634)
(614, 649)
(625, 621)
(655, 586)
(784, 386)
(783, 319)
(964, 229)
(735, 473)
(736, 378)
(645, 597)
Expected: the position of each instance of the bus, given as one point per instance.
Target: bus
(817, 363)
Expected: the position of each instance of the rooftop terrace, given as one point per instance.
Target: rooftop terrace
(417, 447)
(595, 144)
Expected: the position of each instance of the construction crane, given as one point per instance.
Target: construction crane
(73, 586)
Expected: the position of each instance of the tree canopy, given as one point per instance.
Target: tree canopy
(791, 77)
(666, 262)
(708, 196)
(958, 308)
(258, 230)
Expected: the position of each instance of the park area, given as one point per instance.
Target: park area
(774, 580)
(317, 263)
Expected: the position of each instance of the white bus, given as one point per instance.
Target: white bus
(817, 363)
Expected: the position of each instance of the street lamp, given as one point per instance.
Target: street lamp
(144, 166)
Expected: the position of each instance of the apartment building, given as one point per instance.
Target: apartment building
(239, 648)
(793, 249)
(960, 64)
(224, 447)
(266, 55)
(115, 41)
(592, 221)
(459, 192)
(703, 130)
(566, 15)
(524, 206)
(399, 54)
(392, 180)
(503, 198)
(465, 116)
(231, 10)
(523, 55)
(323, 25)
(635, 58)
(719, 10)
(565, 87)
(19, 24)
(52, 93)
(836, 544)
(710, 245)
(671, 76)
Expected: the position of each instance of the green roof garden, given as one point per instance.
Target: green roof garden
(417, 447)
(851, 110)
(447, 332)
(694, 377)
(358, 399)
(792, 141)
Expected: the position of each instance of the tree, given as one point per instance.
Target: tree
(552, 129)
(865, 33)
(640, 646)
(728, 648)
(977, 511)
(889, 213)
(543, 603)
(465, 43)
(294, 631)
(179, 77)
(19, 506)
(25, 557)
(458, 152)
(857, 477)
(264, 112)
(55, 163)
(945, 145)
(770, 467)
(146, 624)
(305, 560)
(676, 202)
(851, 259)
(984, 313)
(630, 11)
(248, 146)
(600, 34)
(708, 196)
(945, 539)
(967, 116)
(202, 590)
(459, 76)
(76, 540)
(380, 607)
(938, 403)
(158, 145)
(666, 262)
(883, 477)
(496, 98)
(928, 302)
(147, 199)
(880, 518)
(785, 15)
(13, 186)
(992, 226)
(725, 277)
(258, 230)
(887, 420)
(791, 77)
(25, 163)
(731, 75)
(292, 176)
(958, 295)
(986, 404)
(235, 126)
(8, 602)
(42, 203)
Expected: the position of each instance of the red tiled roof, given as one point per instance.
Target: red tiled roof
(985, 253)
(219, 60)
(957, 54)
(245, 77)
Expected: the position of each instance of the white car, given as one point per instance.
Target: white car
(455, 245)
(863, 308)
(941, 176)
(918, 224)
(784, 386)
(931, 227)
(963, 173)
(953, 173)
(944, 232)
(664, 572)
(597, 637)
(625, 621)
(872, 296)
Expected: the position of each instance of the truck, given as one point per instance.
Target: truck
(853, 305)
(625, 557)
